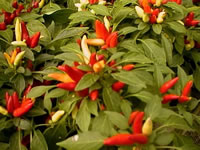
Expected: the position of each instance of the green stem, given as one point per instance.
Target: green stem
(40, 125)
(168, 147)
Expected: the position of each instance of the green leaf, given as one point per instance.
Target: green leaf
(100, 10)
(102, 124)
(26, 17)
(93, 107)
(164, 138)
(157, 28)
(15, 142)
(120, 15)
(176, 26)
(154, 51)
(84, 141)
(81, 17)
(153, 108)
(36, 111)
(4, 146)
(197, 78)
(19, 83)
(111, 99)
(129, 78)
(126, 108)
(178, 123)
(38, 141)
(83, 117)
(7, 35)
(127, 30)
(135, 58)
(115, 56)
(55, 134)
(117, 119)
(22, 123)
(158, 77)
(6, 5)
(71, 47)
(68, 56)
(143, 96)
(39, 91)
(86, 81)
(47, 102)
(168, 47)
(69, 32)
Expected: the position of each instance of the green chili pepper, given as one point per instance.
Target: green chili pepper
(19, 58)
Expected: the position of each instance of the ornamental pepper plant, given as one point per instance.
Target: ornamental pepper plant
(99, 74)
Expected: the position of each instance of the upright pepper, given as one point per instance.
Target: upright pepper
(94, 95)
(34, 40)
(132, 117)
(167, 85)
(187, 88)
(137, 124)
(147, 127)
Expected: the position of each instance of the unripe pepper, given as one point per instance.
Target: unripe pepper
(18, 30)
(167, 85)
(106, 23)
(95, 42)
(13, 56)
(57, 115)
(98, 66)
(139, 11)
(63, 77)
(147, 127)
(137, 124)
(85, 49)
(160, 17)
(8, 59)
(145, 18)
(169, 97)
(3, 111)
(187, 88)
(19, 58)
(41, 4)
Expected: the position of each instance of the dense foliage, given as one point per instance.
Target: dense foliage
(99, 74)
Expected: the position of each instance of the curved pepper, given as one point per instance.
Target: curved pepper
(169, 97)
(187, 88)
(57, 115)
(19, 58)
(132, 117)
(147, 127)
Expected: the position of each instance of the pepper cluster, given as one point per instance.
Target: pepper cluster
(148, 11)
(105, 37)
(170, 97)
(17, 108)
(140, 132)
(22, 36)
(190, 21)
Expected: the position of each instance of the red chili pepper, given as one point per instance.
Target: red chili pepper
(139, 138)
(119, 139)
(132, 117)
(187, 88)
(26, 140)
(73, 72)
(34, 40)
(93, 1)
(169, 97)
(194, 23)
(15, 100)
(27, 90)
(155, 12)
(153, 19)
(10, 105)
(35, 4)
(2, 26)
(23, 109)
(20, 7)
(15, 4)
(183, 99)
(167, 85)
(83, 93)
(29, 9)
(70, 86)
(7, 97)
(117, 86)
(197, 45)
(112, 41)
(29, 64)
(145, 5)
(137, 124)
(101, 31)
(100, 57)
(93, 59)
(25, 35)
(111, 63)
(128, 67)
(94, 95)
